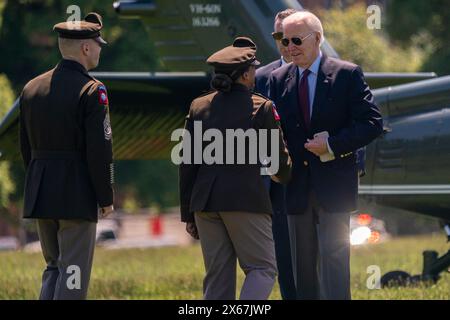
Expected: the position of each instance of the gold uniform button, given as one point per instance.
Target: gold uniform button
(305, 163)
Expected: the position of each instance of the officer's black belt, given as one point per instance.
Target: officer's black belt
(62, 155)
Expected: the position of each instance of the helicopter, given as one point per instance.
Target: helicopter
(405, 168)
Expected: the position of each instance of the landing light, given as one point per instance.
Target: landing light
(360, 235)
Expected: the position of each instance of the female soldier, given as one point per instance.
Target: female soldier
(225, 203)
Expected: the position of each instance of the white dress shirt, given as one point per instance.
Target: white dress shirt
(312, 83)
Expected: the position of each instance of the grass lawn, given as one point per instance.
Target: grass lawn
(177, 273)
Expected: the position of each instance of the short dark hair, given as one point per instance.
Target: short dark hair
(284, 14)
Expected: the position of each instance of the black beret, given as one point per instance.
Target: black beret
(89, 28)
(241, 53)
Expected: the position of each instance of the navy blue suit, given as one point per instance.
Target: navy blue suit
(277, 196)
(321, 195)
(263, 76)
(343, 106)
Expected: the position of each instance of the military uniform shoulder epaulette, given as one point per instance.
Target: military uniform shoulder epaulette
(205, 96)
(207, 93)
(97, 83)
(260, 95)
(97, 87)
(259, 98)
(262, 100)
(91, 86)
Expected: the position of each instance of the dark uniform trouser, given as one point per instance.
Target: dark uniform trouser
(225, 236)
(320, 247)
(68, 248)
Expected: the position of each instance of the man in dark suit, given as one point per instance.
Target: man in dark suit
(277, 191)
(327, 113)
(66, 145)
(263, 73)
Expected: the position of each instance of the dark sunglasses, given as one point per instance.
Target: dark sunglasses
(277, 36)
(296, 41)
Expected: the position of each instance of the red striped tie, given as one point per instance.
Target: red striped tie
(303, 97)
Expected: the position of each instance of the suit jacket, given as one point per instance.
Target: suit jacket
(263, 76)
(262, 86)
(277, 190)
(66, 144)
(343, 106)
(229, 187)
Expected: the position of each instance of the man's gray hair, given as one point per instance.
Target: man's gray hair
(311, 20)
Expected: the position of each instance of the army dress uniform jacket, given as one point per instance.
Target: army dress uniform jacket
(229, 187)
(66, 144)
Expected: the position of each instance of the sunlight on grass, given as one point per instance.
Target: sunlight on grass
(177, 273)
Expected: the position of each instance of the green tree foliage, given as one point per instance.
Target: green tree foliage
(7, 186)
(347, 32)
(424, 23)
(2, 6)
(28, 45)
(6, 95)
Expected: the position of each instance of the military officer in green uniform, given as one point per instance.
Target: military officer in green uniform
(66, 146)
(227, 205)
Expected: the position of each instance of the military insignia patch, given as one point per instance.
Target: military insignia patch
(107, 127)
(102, 95)
(275, 113)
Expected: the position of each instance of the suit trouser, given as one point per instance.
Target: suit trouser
(280, 232)
(68, 248)
(225, 236)
(320, 247)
